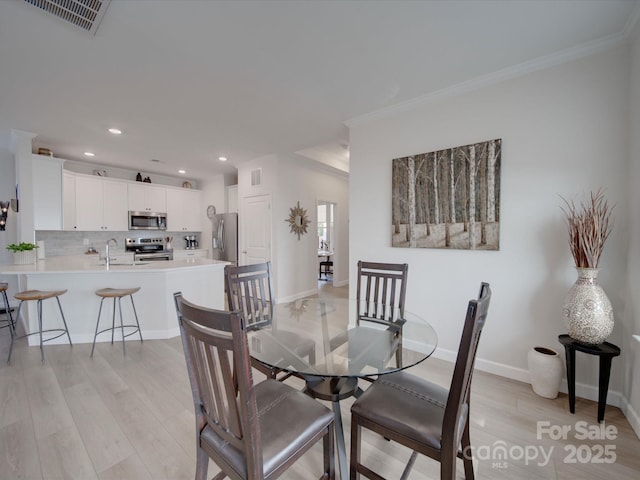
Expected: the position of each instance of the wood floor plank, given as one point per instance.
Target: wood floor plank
(161, 454)
(19, 451)
(182, 429)
(49, 409)
(131, 467)
(14, 405)
(130, 417)
(103, 438)
(63, 456)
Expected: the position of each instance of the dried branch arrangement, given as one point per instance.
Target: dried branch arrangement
(589, 227)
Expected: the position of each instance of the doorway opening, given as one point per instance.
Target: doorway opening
(326, 215)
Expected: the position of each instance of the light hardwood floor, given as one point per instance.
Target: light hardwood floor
(131, 417)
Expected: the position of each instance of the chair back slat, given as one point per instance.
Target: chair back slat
(218, 363)
(381, 290)
(463, 371)
(249, 290)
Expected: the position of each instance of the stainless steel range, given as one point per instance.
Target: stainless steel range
(148, 249)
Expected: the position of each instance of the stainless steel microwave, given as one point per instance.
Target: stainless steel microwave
(147, 221)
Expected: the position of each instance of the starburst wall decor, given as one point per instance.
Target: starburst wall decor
(298, 220)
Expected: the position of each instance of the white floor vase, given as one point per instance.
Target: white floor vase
(545, 369)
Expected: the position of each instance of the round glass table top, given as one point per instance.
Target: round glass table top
(332, 337)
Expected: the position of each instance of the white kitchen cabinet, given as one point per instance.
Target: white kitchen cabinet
(147, 198)
(68, 201)
(184, 210)
(47, 193)
(100, 204)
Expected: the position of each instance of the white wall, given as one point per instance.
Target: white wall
(632, 326)
(564, 132)
(289, 180)
(299, 182)
(7, 191)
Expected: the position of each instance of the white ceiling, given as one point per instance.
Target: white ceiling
(189, 81)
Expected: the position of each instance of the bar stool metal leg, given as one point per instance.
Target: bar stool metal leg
(124, 351)
(39, 307)
(7, 308)
(135, 314)
(39, 296)
(97, 325)
(117, 294)
(13, 335)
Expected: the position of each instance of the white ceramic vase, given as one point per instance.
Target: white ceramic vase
(545, 370)
(24, 257)
(587, 309)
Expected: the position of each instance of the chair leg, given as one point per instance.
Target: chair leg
(97, 325)
(355, 449)
(202, 464)
(448, 459)
(329, 456)
(467, 459)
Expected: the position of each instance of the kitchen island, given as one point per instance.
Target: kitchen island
(200, 280)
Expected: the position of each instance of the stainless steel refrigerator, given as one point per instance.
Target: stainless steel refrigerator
(224, 241)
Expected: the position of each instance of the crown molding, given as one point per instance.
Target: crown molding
(515, 71)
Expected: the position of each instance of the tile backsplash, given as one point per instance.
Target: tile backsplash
(58, 243)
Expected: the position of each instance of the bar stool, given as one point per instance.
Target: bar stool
(117, 294)
(40, 295)
(7, 309)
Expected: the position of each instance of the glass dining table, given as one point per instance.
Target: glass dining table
(346, 349)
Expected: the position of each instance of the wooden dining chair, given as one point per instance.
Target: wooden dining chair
(421, 415)
(252, 432)
(380, 294)
(250, 291)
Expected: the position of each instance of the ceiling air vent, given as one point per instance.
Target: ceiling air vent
(84, 14)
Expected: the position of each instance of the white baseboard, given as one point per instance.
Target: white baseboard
(33, 340)
(632, 416)
(297, 296)
(588, 392)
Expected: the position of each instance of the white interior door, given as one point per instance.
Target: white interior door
(255, 224)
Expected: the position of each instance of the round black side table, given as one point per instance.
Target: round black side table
(606, 351)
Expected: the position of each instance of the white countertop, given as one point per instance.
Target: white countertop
(92, 264)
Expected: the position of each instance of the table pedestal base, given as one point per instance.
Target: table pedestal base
(333, 390)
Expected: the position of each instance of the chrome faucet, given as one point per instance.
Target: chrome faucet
(106, 251)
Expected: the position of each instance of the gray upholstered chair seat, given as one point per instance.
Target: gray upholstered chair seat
(424, 417)
(293, 421)
(406, 404)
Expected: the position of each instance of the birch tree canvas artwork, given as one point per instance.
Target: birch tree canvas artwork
(448, 199)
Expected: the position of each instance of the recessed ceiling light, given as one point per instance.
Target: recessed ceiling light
(182, 171)
(222, 159)
(90, 154)
(115, 131)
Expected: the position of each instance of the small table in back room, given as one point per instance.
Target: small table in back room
(606, 351)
